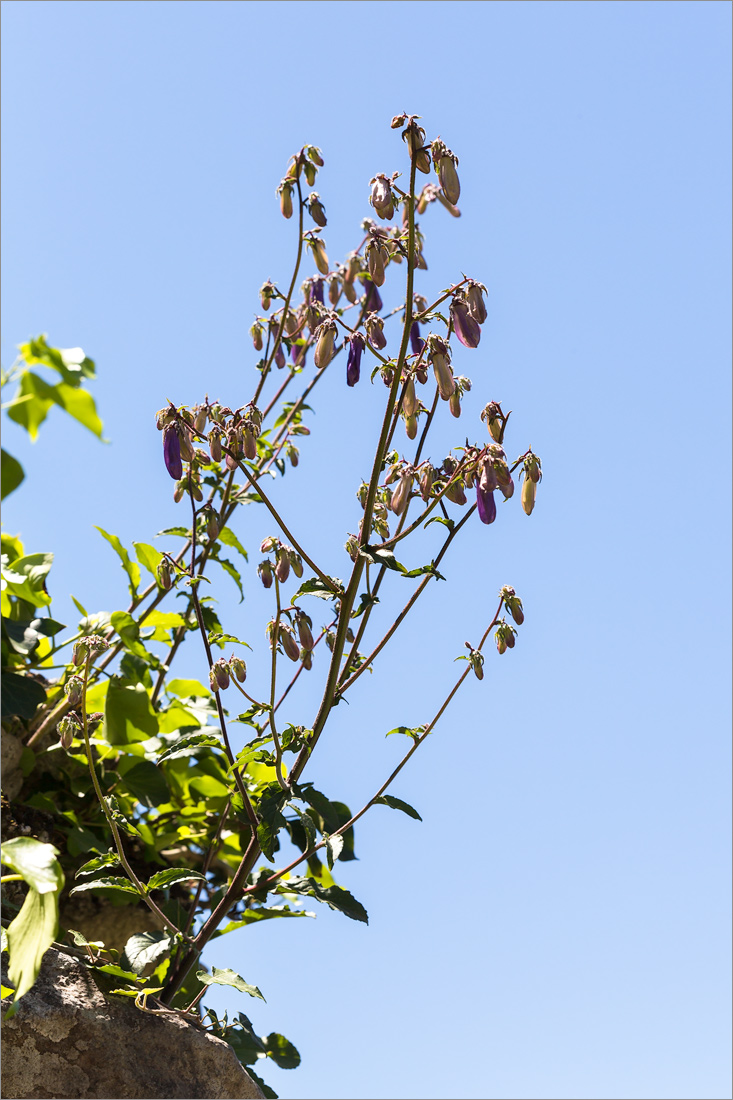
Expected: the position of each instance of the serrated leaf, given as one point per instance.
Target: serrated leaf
(381, 556)
(268, 809)
(334, 845)
(119, 818)
(228, 977)
(109, 859)
(333, 896)
(217, 638)
(161, 880)
(397, 804)
(130, 567)
(423, 569)
(145, 948)
(122, 884)
(308, 824)
(316, 587)
(190, 741)
(252, 916)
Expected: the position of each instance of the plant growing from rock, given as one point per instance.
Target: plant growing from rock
(181, 818)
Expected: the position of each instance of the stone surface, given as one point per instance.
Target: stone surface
(68, 1041)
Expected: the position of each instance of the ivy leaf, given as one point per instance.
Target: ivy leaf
(316, 587)
(379, 555)
(12, 474)
(115, 883)
(130, 567)
(227, 536)
(228, 977)
(281, 1050)
(145, 948)
(333, 896)
(397, 804)
(161, 880)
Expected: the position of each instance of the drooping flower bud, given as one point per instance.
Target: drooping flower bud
(249, 442)
(219, 675)
(172, 451)
(306, 657)
(325, 343)
(265, 571)
(315, 209)
(79, 653)
(238, 668)
(285, 190)
(466, 329)
(357, 344)
(504, 479)
(504, 637)
(282, 564)
(377, 256)
(426, 481)
(454, 403)
(456, 493)
(373, 300)
(443, 374)
(529, 493)
(334, 290)
(179, 491)
(411, 426)
(475, 300)
(320, 257)
(289, 644)
(353, 267)
(279, 356)
(315, 154)
(200, 417)
(513, 603)
(212, 524)
(381, 197)
(68, 729)
(74, 688)
(163, 575)
(296, 561)
(315, 291)
(401, 494)
(375, 331)
(267, 293)
(304, 624)
(476, 661)
(486, 503)
(416, 341)
(309, 171)
(256, 332)
(351, 546)
(269, 544)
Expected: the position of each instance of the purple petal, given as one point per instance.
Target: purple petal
(374, 301)
(467, 330)
(172, 452)
(416, 343)
(486, 504)
(317, 291)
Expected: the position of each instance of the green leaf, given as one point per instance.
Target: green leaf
(365, 601)
(233, 573)
(35, 861)
(26, 578)
(25, 634)
(118, 972)
(114, 883)
(381, 556)
(228, 977)
(227, 536)
(148, 556)
(184, 532)
(161, 880)
(429, 569)
(316, 587)
(185, 689)
(397, 804)
(71, 363)
(333, 896)
(309, 826)
(31, 413)
(109, 859)
(414, 733)
(82, 610)
(147, 783)
(29, 937)
(118, 817)
(252, 916)
(79, 404)
(130, 567)
(217, 638)
(21, 695)
(272, 820)
(321, 805)
(145, 948)
(128, 715)
(129, 633)
(190, 741)
(281, 1050)
(334, 845)
(449, 523)
(11, 476)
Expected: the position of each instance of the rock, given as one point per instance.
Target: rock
(67, 1041)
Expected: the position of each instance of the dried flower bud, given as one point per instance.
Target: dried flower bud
(265, 572)
(74, 688)
(325, 343)
(315, 209)
(289, 644)
(285, 190)
(466, 329)
(375, 331)
(219, 675)
(172, 451)
(381, 197)
(357, 344)
(238, 668)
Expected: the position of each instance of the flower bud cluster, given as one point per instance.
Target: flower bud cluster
(382, 197)
(504, 636)
(306, 162)
(400, 474)
(74, 688)
(512, 603)
(430, 193)
(495, 420)
(222, 671)
(90, 646)
(285, 559)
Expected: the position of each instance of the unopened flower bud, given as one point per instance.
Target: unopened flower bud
(357, 343)
(215, 444)
(249, 442)
(455, 492)
(68, 729)
(79, 653)
(475, 301)
(238, 668)
(504, 479)
(443, 375)
(448, 177)
(315, 154)
(318, 248)
(373, 299)
(269, 544)
(375, 331)
(381, 197)
(309, 171)
(454, 403)
(529, 493)
(351, 546)
(285, 191)
(180, 489)
(172, 451)
(401, 494)
(466, 329)
(200, 418)
(256, 332)
(334, 290)
(265, 571)
(315, 209)
(212, 524)
(426, 481)
(282, 564)
(409, 401)
(289, 644)
(296, 562)
(74, 688)
(219, 675)
(163, 575)
(267, 293)
(325, 340)
(304, 624)
(306, 657)
(95, 644)
(476, 660)
(377, 256)
(416, 341)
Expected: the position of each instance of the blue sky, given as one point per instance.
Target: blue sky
(558, 924)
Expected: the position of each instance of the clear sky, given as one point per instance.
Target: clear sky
(558, 925)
